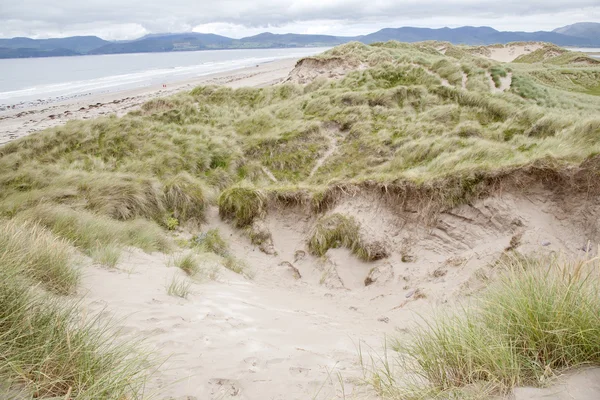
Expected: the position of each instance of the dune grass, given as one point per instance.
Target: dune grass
(236, 265)
(39, 256)
(88, 231)
(179, 288)
(47, 349)
(332, 232)
(540, 318)
(393, 121)
(212, 242)
(187, 263)
(242, 204)
(337, 230)
(107, 255)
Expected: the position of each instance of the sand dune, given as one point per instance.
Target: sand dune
(508, 52)
(279, 337)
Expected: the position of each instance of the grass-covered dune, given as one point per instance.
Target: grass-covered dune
(393, 122)
(410, 120)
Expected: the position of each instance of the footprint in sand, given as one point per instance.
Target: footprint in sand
(224, 388)
(295, 371)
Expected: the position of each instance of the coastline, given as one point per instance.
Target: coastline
(20, 122)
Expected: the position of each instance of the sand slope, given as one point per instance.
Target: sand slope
(279, 337)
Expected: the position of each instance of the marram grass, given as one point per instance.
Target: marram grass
(540, 318)
(48, 350)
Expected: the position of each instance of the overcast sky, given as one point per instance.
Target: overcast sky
(128, 19)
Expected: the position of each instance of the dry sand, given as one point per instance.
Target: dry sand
(279, 337)
(16, 123)
(509, 52)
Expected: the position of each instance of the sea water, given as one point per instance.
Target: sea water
(40, 80)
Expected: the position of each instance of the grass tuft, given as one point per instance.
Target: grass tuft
(179, 288)
(39, 255)
(107, 256)
(540, 319)
(242, 204)
(337, 230)
(88, 231)
(187, 263)
(48, 350)
(185, 197)
(212, 242)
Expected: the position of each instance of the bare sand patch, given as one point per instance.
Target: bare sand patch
(286, 335)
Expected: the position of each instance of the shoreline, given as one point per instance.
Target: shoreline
(20, 122)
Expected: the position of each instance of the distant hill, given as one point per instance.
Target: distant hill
(475, 36)
(291, 40)
(583, 35)
(588, 30)
(73, 44)
(167, 42)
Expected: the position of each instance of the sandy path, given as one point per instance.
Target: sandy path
(21, 122)
(234, 338)
(505, 83)
(429, 72)
(330, 134)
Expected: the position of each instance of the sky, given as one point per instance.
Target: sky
(130, 19)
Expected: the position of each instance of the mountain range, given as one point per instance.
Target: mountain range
(584, 34)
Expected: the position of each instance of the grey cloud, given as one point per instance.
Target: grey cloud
(35, 16)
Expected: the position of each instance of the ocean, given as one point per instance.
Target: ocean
(594, 52)
(33, 80)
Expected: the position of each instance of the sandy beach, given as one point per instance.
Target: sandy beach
(22, 121)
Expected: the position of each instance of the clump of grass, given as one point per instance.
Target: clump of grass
(184, 197)
(332, 232)
(187, 263)
(179, 288)
(498, 72)
(242, 204)
(48, 350)
(540, 319)
(122, 196)
(107, 256)
(469, 129)
(236, 265)
(88, 231)
(337, 230)
(38, 255)
(212, 242)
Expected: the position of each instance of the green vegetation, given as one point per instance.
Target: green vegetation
(498, 72)
(394, 123)
(539, 319)
(552, 54)
(179, 288)
(107, 256)
(187, 263)
(33, 252)
(212, 242)
(337, 230)
(242, 204)
(88, 231)
(235, 265)
(47, 349)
